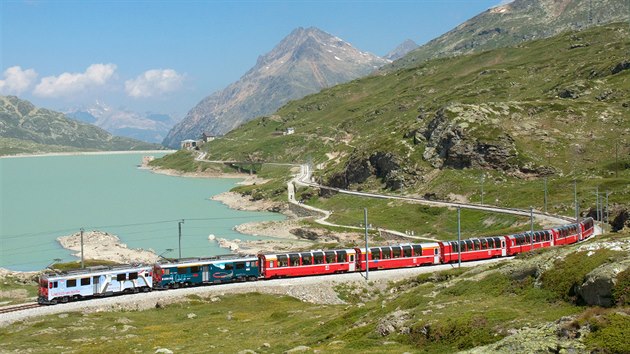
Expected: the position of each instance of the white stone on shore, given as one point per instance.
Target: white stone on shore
(211, 237)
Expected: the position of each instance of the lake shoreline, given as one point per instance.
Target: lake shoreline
(84, 153)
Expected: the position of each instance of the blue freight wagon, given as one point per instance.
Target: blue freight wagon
(197, 271)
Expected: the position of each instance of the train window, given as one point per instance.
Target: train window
(229, 266)
(134, 275)
(85, 281)
(283, 261)
(462, 246)
(417, 250)
(469, 245)
(193, 269)
(95, 280)
(318, 257)
(387, 252)
(167, 271)
(476, 245)
(435, 251)
(396, 251)
(406, 251)
(376, 253)
(240, 265)
(454, 246)
(484, 244)
(331, 257)
(294, 259)
(55, 285)
(307, 259)
(499, 242)
(341, 256)
(71, 283)
(121, 277)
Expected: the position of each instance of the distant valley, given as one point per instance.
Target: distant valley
(149, 127)
(25, 128)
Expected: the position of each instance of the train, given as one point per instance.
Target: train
(100, 281)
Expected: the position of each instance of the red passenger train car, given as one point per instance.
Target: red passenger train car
(473, 249)
(588, 228)
(399, 256)
(524, 242)
(568, 234)
(296, 264)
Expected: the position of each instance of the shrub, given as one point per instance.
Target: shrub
(568, 273)
(457, 333)
(610, 333)
(621, 291)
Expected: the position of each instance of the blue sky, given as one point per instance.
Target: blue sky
(165, 56)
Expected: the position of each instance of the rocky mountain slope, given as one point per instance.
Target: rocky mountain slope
(22, 121)
(303, 63)
(555, 107)
(402, 50)
(149, 127)
(516, 22)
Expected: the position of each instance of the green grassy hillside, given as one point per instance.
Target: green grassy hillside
(556, 108)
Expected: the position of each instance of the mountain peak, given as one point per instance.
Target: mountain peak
(302, 63)
(402, 50)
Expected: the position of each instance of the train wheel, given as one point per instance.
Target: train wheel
(64, 299)
(53, 302)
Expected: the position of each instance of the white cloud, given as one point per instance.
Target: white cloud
(154, 82)
(70, 83)
(17, 80)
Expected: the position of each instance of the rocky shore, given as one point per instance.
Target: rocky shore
(104, 246)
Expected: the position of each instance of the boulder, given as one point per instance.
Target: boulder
(597, 288)
(395, 322)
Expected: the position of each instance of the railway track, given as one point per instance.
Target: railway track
(19, 307)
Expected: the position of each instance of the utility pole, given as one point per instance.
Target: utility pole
(607, 212)
(179, 224)
(82, 263)
(616, 158)
(531, 224)
(597, 203)
(577, 215)
(367, 255)
(545, 195)
(483, 176)
(459, 237)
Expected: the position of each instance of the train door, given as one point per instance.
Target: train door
(352, 264)
(436, 256)
(204, 273)
(95, 285)
(503, 249)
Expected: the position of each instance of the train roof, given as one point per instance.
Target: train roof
(207, 260)
(273, 255)
(96, 270)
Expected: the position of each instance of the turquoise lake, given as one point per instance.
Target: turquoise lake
(42, 198)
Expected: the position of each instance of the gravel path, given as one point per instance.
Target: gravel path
(315, 289)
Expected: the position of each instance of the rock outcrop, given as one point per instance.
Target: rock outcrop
(597, 288)
(461, 136)
(384, 165)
